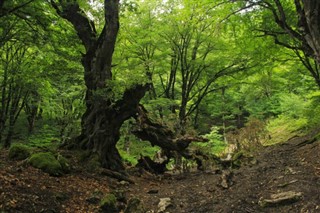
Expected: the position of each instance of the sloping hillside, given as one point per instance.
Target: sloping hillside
(290, 169)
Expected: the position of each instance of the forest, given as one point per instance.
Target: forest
(159, 106)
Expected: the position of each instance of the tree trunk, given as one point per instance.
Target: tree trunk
(101, 127)
(104, 113)
(7, 142)
(309, 22)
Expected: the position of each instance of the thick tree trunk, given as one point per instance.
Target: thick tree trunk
(101, 126)
(310, 23)
(104, 114)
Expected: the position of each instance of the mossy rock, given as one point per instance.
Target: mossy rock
(237, 159)
(93, 163)
(64, 163)
(19, 152)
(109, 204)
(47, 163)
(134, 206)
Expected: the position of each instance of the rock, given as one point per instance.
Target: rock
(95, 197)
(47, 163)
(164, 204)
(134, 206)
(226, 181)
(64, 163)
(109, 204)
(282, 198)
(153, 191)
(19, 152)
(120, 195)
(124, 183)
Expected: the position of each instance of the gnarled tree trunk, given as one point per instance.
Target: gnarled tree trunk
(160, 135)
(104, 114)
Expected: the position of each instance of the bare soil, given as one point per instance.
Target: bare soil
(292, 166)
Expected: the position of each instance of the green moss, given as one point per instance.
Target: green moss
(93, 163)
(108, 203)
(237, 158)
(47, 163)
(238, 155)
(19, 152)
(83, 155)
(64, 163)
(90, 160)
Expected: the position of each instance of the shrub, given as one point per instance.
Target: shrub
(47, 163)
(250, 137)
(19, 152)
(215, 144)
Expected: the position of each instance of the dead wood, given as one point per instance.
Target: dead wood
(146, 163)
(162, 136)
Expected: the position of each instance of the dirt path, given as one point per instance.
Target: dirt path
(277, 169)
(282, 168)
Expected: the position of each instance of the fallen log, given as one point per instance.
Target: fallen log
(146, 163)
(162, 136)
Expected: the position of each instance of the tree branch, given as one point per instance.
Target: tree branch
(4, 12)
(81, 23)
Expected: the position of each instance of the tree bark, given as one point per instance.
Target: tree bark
(307, 29)
(162, 136)
(104, 114)
(309, 22)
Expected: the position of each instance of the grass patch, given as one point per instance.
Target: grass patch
(282, 128)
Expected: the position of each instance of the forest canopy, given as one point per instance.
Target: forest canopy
(107, 76)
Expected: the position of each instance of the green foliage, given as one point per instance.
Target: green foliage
(135, 149)
(216, 145)
(292, 121)
(312, 112)
(43, 62)
(128, 158)
(19, 151)
(44, 137)
(283, 127)
(292, 105)
(249, 137)
(47, 162)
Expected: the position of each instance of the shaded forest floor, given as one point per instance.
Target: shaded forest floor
(292, 166)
